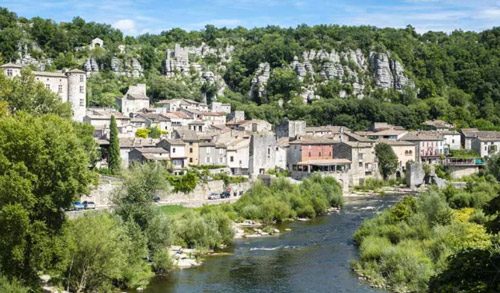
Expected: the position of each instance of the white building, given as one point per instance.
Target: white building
(70, 86)
(486, 143)
(220, 107)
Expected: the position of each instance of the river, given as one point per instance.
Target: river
(314, 257)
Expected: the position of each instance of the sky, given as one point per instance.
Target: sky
(153, 16)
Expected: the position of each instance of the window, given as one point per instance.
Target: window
(360, 156)
(9, 72)
(173, 150)
(190, 160)
(231, 159)
(59, 88)
(82, 89)
(360, 164)
(319, 155)
(81, 77)
(82, 103)
(190, 150)
(47, 86)
(207, 160)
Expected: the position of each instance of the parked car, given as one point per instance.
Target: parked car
(213, 196)
(76, 205)
(89, 205)
(225, 194)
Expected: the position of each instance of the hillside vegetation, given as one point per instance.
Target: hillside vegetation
(392, 75)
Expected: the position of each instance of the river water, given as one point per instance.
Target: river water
(314, 257)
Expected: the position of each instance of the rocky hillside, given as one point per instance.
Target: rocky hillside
(324, 74)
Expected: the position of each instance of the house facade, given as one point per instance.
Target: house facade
(362, 157)
(70, 86)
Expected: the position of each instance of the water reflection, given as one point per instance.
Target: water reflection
(314, 257)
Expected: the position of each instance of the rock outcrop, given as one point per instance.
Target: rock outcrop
(129, 67)
(90, 66)
(259, 81)
(388, 73)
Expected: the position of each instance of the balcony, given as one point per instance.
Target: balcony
(465, 162)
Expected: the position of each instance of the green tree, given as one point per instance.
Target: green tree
(102, 252)
(493, 166)
(114, 160)
(36, 185)
(387, 159)
(27, 94)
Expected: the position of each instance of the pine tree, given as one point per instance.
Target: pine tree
(114, 148)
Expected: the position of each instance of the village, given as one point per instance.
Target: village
(194, 134)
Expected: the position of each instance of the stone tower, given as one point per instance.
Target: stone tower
(77, 92)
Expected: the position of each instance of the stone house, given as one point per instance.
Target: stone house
(236, 116)
(486, 143)
(328, 130)
(178, 119)
(150, 154)
(213, 118)
(291, 129)
(100, 119)
(220, 107)
(211, 153)
(282, 147)
(466, 137)
(438, 125)
(254, 125)
(430, 145)
(452, 140)
(177, 151)
(134, 100)
(175, 105)
(238, 155)
(127, 144)
(156, 120)
(96, 43)
(406, 151)
(362, 157)
(262, 153)
(314, 154)
(70, 86)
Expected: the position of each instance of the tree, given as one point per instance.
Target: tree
(114, 160)
(102, 253)
(29, 95)
(43, 166)
(473, 270)
(387, 159)
(493, 166)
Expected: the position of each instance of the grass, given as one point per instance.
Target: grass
(172, 210)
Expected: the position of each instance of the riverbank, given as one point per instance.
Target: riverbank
(403, 248)
(312, 256)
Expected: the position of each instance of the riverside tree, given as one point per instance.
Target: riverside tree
(114, 160)
(42, 167)
(387, 159)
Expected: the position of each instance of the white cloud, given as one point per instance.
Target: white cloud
(126, 25)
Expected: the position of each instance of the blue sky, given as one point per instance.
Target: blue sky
(141, 16)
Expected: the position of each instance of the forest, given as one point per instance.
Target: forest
(456, 75)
